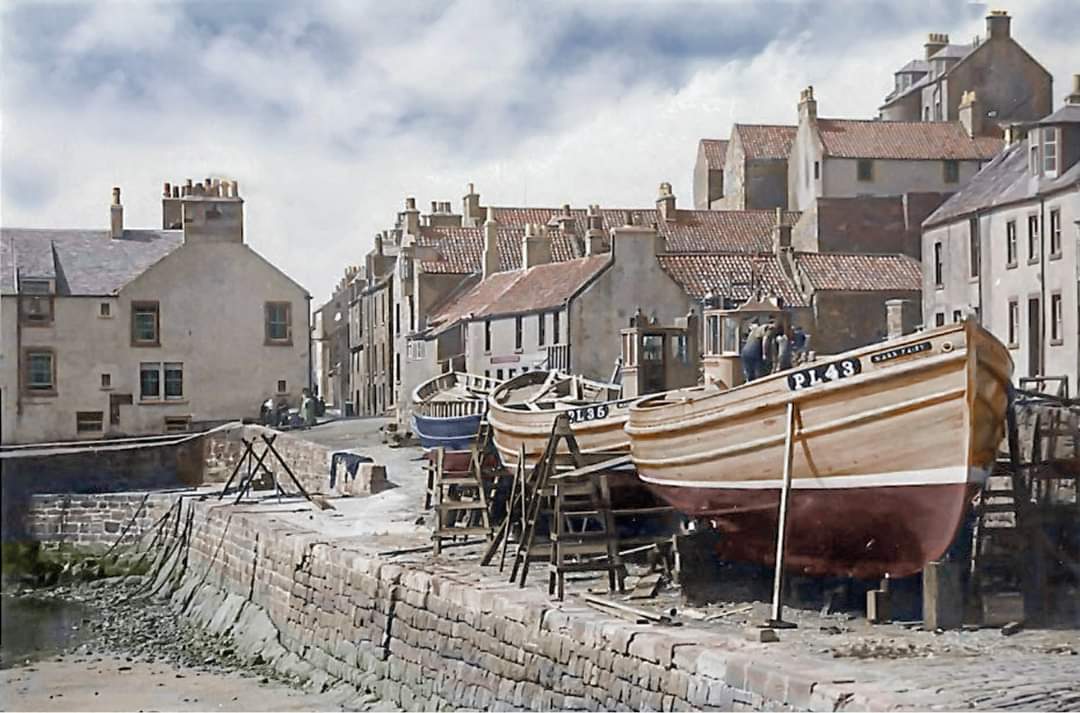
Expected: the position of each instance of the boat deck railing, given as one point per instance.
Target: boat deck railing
(452, 409)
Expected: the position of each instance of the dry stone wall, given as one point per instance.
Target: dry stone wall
(432, 636)
(94, 522)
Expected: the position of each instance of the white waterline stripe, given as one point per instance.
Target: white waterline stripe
(933, 476)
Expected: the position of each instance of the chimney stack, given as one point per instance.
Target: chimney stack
(970, 115)
(535, 246)
(411, 217)
(595, 239)
(997, 24)
(665, 203)
(470, 208)
(807, 106)
(172, 214)
(935, 42)
(116, 215)
(781, 234)
(491, 244)
(1074, 97)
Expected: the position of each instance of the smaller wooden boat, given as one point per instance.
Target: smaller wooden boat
(448, 408)
(522, 411)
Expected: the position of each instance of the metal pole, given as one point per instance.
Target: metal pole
(777, 619)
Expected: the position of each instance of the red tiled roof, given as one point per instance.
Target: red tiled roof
(766, 140)
(715, 151)
(731, 275)
(516, 291)
(905, 140)
(860, 273)
(462, 249)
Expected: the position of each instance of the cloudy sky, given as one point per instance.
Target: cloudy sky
(330, 113)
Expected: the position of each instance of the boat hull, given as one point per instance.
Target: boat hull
(532, 429)
(884, 465)
(453, 434)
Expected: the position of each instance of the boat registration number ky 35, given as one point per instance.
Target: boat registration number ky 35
(823, 374)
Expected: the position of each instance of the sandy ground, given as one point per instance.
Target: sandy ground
(115, 684)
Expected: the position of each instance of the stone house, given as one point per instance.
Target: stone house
(120, 331)
(839, 158)
(1004, 249)
(1010, 84)
(332, 343)
(755, 168)
(709, 173)
(563, 314)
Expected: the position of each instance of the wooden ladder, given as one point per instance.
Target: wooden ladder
(459, 496)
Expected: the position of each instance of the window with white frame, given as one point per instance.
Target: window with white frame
(1050, 150)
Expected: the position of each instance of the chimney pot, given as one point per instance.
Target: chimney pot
(116, 195)
(176, 191)
(167, 190)
(434, 207)
(410, 203)
(116, 215)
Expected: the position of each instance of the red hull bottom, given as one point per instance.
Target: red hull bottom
(855, 532)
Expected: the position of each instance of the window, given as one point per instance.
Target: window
(149, 381)
(35, 303)
(974, 247)
(89, 421)
(106, 381)
(412, 314)
(282, 386)
(1033, 159)
(499, 374)
(951, 169)
(541, 332)
(1033, 238)
(1014, 323)
(1055, 232)
(105, 310)
(712, 334)
(939, 319)
(145, 324)
(817, 170)
(939, 266)
(487, 335)
(397, 318)
(555, 336)
(487, 373)
(865, 169)
(517, 333)
(679, 349)
(1010, 243)
(397, 368)
(279, 323)
(177, 424)
(957, 316)
(174, 380)
(40, 373)
(1050, 150)
(1056, 316)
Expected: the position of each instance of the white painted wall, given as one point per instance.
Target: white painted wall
(503, 354)
(212, 298)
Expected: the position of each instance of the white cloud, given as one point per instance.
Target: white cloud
(330, 114)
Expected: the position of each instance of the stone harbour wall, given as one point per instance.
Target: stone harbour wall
(94, 522)
(433, 636)
(310, 462)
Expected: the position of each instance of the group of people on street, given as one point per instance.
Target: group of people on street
(278, 415)
(770, 347)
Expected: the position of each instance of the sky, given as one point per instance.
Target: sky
(329, 114)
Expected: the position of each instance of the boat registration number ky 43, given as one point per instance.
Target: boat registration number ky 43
(817, 375)
(588, 413)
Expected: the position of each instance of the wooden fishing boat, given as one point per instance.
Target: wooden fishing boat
(522, 411)
(890, 443)
(448, 408)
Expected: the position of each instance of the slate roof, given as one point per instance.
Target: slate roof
(1068, 114)
(906, 140)
(519, 291)
(860, 272)
(83, 262)
(734, 275)
(1004, 180)
(915, 65)
(766, 141)
(715, 151)
(953, 52)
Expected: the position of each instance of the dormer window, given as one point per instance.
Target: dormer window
(35, 303)
(1050, 150)
(1033, 163)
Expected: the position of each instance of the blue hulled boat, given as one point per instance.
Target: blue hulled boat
(447, 409)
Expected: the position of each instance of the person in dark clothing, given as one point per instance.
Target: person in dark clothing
(752, 354)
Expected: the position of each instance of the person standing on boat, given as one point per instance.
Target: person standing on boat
(752, 354)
